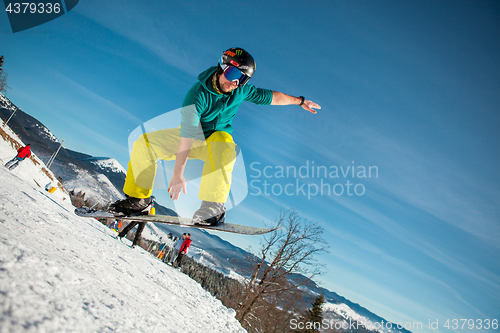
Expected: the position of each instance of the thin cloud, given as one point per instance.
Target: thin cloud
(142, 24)
(460, 266)
(108, 105)
(438, 187)
(97, 136)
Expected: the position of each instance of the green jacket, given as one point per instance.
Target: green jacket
(204, 106)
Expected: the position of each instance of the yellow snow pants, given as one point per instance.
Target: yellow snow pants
(217, 151)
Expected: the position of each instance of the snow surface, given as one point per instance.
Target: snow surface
(6, 103)
(48, 134)
(28, 170)
(95, 188)
(63, 273)
(347, 313)
(110, 164)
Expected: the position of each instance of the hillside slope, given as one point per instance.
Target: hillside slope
(62, 273)
(98, 178)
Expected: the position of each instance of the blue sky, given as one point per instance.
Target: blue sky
(409, 88)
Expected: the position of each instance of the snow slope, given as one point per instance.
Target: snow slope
(348, 315)
(31, 170)
(63, 273)
(109, 163)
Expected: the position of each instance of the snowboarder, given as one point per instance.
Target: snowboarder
(22, 153)
(183, 250)
(205, 133)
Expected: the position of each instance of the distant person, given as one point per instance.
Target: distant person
(171, 242)
(22, 153)
(177, 248)
(161, 250)
(140, 227)
(184, 249)
(138, 233)
(111, 224)
(168, 246)
(154, 245)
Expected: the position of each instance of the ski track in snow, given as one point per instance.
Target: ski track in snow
(63, 273)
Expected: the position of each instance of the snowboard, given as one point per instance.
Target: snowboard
(175, 220)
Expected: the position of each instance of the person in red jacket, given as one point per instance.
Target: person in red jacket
(22, 153)
(184, 249)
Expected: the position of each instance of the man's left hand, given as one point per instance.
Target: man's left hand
(310, 106)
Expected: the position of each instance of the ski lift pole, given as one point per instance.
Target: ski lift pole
(12, 115)
(98, 202)
(55, 154)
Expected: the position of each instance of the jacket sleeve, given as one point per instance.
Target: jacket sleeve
(193, 106)
(258, 96)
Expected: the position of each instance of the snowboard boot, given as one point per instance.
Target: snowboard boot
(131, 206)
(210, 213)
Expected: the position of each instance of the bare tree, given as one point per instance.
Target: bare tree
(3, 77)
(292, 249)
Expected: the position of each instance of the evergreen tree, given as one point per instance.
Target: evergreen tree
(315, 314)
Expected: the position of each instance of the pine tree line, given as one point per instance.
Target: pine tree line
(216, 283)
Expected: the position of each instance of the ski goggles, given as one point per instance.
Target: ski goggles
(232, 73)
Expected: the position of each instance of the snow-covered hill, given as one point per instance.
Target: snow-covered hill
(63, 273)
(31, 170)
(97, 187)
(100, 178)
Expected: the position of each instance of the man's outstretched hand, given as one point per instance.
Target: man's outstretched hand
(310, 106)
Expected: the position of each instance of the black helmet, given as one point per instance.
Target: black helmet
(239, 58)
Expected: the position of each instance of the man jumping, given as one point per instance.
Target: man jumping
(205, 133)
